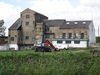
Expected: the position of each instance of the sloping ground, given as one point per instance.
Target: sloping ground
(80, 51)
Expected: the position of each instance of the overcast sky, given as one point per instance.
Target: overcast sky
(54, 9)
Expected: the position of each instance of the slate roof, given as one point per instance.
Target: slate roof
(16, 25)
(76, 24)
(54, 23)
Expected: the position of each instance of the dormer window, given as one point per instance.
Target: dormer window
(27, 16)
(84, 22)
(67, 23)
(75, 22)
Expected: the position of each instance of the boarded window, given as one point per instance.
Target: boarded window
(82, 35)
(27, 37)
(70, 36)
(12, 38)
(59, 42)
(63, 35)
(68, 42)
(76, 42)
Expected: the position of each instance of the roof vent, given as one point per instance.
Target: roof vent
(67, 23)
(75, 22)
(84, 22)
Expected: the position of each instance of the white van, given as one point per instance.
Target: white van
(60, 44)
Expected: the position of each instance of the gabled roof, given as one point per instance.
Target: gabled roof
(76, 24)
(28, 9)
(54, 23)
(16, 25)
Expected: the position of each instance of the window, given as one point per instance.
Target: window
(70, 36)
(21, 22)
(21, 15)
(82, 35)
(12, 38)
(27, 23)
(40, 29)
(47, 36)
(33, 22)
(77, 42)
(68, 42)
(59, 42)
(84, 22)
(63, 35)
(67, 23)
(27, 16)
(75, 22)
(27, 37)
(47, 29)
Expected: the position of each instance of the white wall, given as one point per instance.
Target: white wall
(82, 44)
(92, 38)
(4, 47)
(15, 46)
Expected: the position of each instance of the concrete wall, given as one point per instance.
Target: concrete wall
(56, 31)
(95, 45)
(75, 30)
(82, 44)
(13, 47)
(91, 32)
(13, 33)
(28, 30)
(25, 47)
(39, 31)
(4, 47)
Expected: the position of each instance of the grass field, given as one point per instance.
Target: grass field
(64, 62)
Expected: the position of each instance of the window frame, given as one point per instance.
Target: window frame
(81, 36)
(69, 35)
(47, 36)
(27, 16)
(27, 23)
(12, 38)
(47, 29)
(59, 42)
(63, 35)
(26, 37)
(68, 42)
(76, 42)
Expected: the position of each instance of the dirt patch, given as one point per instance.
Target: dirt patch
(79, 51)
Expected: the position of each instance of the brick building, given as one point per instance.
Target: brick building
(33, 26)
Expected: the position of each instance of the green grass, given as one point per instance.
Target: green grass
(97, 39)
(24, 52)
(49, 63)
